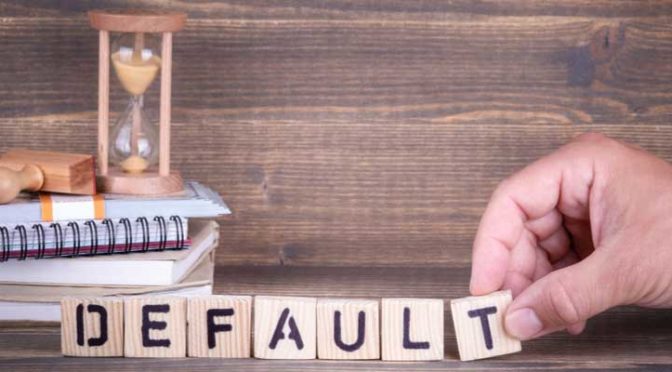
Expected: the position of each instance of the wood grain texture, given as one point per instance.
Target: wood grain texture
(358, 142)
(285, 327)
(165, 326)
(470, 330)
(92, 319)
(340, 319)
(411, 329)
(233, 343)
(339, 131)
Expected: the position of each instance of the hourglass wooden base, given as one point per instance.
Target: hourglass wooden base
(118, 182)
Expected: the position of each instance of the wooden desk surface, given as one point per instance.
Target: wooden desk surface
(358, 141)
(623, 338)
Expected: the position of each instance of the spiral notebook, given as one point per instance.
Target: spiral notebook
(152, 268)
(92, 237)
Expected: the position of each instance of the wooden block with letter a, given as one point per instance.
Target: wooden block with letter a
(285, 327)
(155, 327)
(412, 329)
(92, 327)
(479, 326)
(348, 329)
(219, 326)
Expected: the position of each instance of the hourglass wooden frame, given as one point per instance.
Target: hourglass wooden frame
(112, 179)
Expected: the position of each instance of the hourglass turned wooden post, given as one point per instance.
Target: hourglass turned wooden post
(132, 157)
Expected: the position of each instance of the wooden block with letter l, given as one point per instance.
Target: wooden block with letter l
(479, 326)
(412, 329)
(348, 329)
(155, 327)
(219, 326)
(92, 326)
(285, 327)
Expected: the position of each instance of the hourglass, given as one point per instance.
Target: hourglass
(134, 154)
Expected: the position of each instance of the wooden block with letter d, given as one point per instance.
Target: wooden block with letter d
(92, 327)
(479, 326)
(348, 329)
(219, 326)
(155, 327)
(412, 329)
(285, 327)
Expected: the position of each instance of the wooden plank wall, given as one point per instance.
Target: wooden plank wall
(357, 133)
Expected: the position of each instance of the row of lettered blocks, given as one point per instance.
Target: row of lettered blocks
(284, 327)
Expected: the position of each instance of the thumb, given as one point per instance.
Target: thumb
(563, 298)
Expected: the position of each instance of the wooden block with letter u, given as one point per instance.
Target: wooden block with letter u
(412, 329)
(155, 327)
(92, 326)
(479, 326)
(285, 327)
(348, 329)
(219, 326)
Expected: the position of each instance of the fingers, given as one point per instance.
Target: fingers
(560, 181)
(556, 246)
(563, 299)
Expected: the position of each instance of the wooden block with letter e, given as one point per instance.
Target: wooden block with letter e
(219, 326)
(412, 329)
(92, 326)
(155, 327)
(285, 327)
(479, 326)
(348, 329)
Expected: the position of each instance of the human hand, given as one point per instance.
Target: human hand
(581, 230)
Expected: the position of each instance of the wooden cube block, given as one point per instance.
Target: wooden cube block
(219, 326)
(479, 326)
(284, 327)
(412, 329)
(155, 327)
(92, 327)
(348, 329)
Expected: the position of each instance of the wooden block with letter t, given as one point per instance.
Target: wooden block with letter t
(92, 327)
(285, 327)
(348, 329)
(155, 327)
(479, 326)
(219, 326)
(412, 329)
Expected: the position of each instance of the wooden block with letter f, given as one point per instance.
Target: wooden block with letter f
(479, 326)
(412, 329)
(92, 327)
(219, 326)
(348, 329)
(285, 327)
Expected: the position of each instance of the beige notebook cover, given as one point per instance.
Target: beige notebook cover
(201, 275)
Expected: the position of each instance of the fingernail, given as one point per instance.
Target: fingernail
(523, 323)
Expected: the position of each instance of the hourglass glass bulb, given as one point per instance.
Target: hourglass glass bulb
(134, 139)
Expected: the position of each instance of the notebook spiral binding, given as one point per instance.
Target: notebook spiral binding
(56, 229)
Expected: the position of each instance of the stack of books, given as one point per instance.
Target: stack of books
(53, 246)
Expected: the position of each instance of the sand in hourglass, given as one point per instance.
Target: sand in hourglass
(135, 75)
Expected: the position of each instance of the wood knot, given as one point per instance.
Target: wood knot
(590, 60)
(606, 42)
